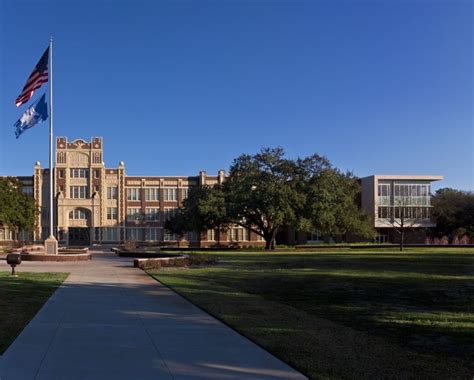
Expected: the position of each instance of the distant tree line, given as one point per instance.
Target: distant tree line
(268, 192)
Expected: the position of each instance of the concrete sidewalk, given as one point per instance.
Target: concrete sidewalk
(111, 321)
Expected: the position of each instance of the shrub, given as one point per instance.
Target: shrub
(130, 246)
(444, 240)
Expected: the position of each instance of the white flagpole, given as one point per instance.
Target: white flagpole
(51, 231)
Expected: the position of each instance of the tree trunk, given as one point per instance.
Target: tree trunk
(273, 240)
(268, 241)
(268, 244)
(402, 236)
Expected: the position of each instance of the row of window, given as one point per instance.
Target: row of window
(233, 234)
(153, 194)
(144, 234)
(404, 189)
(133, 194)
(404, 212)
(404, 201)
(151, 213)
(133, 213)
(78, 214)
(78, 192)
(7, 235)
(79, 173)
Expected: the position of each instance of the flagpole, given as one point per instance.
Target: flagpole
(51, 215)
(51, 244)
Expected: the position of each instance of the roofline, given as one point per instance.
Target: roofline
(431, 178)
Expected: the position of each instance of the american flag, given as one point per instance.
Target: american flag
(35, 80)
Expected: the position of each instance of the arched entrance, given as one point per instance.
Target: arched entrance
(79, 227)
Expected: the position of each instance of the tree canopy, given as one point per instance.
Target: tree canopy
(453, 212)
(267, 192)
(204, 209)
(17, 210)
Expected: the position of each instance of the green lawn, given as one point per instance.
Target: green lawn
(349, 314)
(20, 299)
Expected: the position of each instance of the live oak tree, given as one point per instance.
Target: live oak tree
(178, 223)
(331, 200)
(267, 192)
(262, 193)
(203, 209)
(17, 210)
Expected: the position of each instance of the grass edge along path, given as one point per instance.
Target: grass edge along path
(317, 347)
(20, 300)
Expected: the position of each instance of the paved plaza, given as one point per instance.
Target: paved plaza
(112, 321)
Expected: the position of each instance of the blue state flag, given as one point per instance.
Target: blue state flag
(35, 114)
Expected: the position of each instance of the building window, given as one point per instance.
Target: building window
(212, 235)
(170, 194)
(384, 190)
(237, 234)
(134, 213)
(61, 173)
(384, 212)
(78, 192)
(153, 234)
(79, 173)
(28, 190)
(111, 213)
(152, 194)
(184, 193)
(384, 194)
(78, 214)
(6, 234)
(96, 188)
(169, 213)
(110, 234)
(134, 234)
(314, 236)
(412, 194)
(152, 213)
(412, 212)
(112, 192)
(134, 194)
(170, 236)
(191, 236)
(96, 173)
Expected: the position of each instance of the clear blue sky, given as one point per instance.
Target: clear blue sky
(174, 87)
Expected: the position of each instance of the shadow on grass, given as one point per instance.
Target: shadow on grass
(424, 306)
(318, 347)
